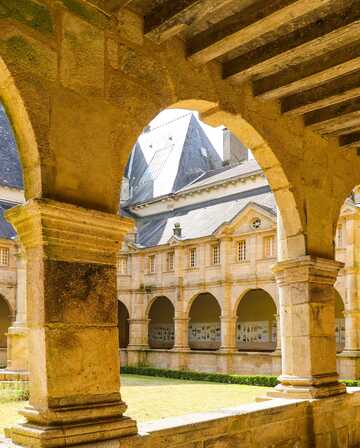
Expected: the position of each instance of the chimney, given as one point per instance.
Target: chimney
(177, 230)
(234, 151)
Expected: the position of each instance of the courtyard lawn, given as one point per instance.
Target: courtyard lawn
(151, 398)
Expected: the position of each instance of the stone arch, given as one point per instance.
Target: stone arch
(204, 314)
(256, 321)
(293, 219)
(161, 327)
(5, 320)
(123, 324)
(340, 328)
(12, 100)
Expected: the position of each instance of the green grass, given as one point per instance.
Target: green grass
(153, 398)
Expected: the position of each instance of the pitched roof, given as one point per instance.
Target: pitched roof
(168, 157)
(217, 176)
(10, 168)
(202, 220)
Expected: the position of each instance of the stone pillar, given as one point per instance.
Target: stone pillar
(228, 344)
(138, 341)
(228, 333)
(307, 312)
(278, 333)
(18, 352)
(138, 333)
(72, 325)
(181, 332)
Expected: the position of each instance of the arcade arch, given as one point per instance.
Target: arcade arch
(161, 327)
(5, 321)
(123, 323)
(204, 323)
(256, 321)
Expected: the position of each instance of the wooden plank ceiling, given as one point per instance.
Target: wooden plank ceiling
(304, 53)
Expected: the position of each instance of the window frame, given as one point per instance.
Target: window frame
(193, 258)
(215, 254)
(240, 259)
(272, 247)
(151, 264)
(170, 261)
(4, 256)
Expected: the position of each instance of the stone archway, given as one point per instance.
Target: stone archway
(161, 327)
(256, 321)
(204, 323)
(123, 323)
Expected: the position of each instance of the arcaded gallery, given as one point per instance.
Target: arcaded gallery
(179, 191)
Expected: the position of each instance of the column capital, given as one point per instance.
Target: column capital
(67, 232)
(307, 269)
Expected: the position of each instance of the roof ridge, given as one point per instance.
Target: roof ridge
(168, 122)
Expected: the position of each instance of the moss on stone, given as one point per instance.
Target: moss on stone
(28, 12)
(89, 13)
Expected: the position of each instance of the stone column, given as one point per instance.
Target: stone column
(138, 333)
(228, 333)
(181, 332)
(181, 347)
(278, 333)
(307, 313)
(72, 321)
(18, 352)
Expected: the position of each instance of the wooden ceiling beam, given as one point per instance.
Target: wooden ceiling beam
(350, 140)
(262, 17)
(172, 17)
(334, 119)
(332, 31)
(309, 74)
(336, 91)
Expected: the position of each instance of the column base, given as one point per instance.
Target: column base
(32, 435)
(307, 388)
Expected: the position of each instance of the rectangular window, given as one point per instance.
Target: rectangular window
(4, 256)
(123, 265)
(151, 264)
(340, 236)
(193, 257)
(241, 251)
(215, 254)
(170, 256)
(269, 246)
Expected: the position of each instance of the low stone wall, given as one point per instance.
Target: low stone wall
(332, 422)
(242, 363)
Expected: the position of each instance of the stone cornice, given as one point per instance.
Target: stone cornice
(68, 232)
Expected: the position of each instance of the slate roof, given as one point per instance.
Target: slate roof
(10, 168)
(6, 230)
(247, 167)
(168, 157)
(202, 219)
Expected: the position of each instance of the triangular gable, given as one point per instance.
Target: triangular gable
(249, 212)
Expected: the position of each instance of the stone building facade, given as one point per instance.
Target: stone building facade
(196, 288)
